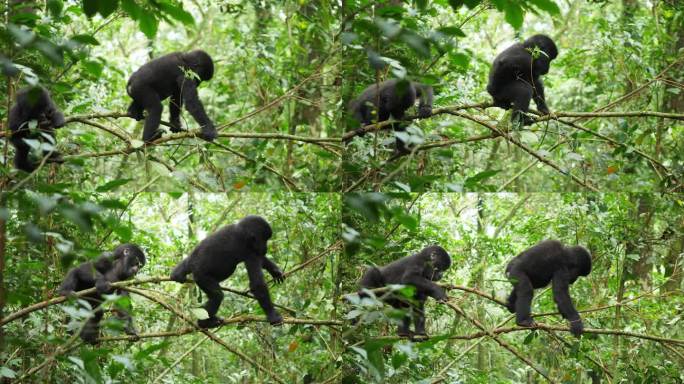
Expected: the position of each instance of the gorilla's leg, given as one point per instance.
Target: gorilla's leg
(135, 111)
(403, 328)
(401, 147)
(21, 157)
(524, 292)
(520, 94)
(123, 315)
(150, 101)
(419, 320)
(53, 156)
(212, 289)
(91, 329)
(510, 303)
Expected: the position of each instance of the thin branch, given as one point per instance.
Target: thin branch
(233, 320)
(525, 148)
(179, 359)
(502, 343)
(212, 336)
(289, 182)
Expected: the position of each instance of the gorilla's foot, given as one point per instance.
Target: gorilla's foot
(211, 322)
(275, 319)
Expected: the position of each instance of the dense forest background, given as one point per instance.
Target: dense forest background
(604, 170)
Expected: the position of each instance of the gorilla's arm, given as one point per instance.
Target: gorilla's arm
(539, 97)
(273, 269)
(425, 95)
(175, 104)
(560, 286)
(259, 289)
(413, 276)
(123, 315)
(54, 114)
(194, 106)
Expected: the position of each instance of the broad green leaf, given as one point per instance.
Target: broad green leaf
(90, 7)
(107, 7)
(148, 24)
(177, 13)
(514, 15)
(546, 5)
(85, 39)
(112, 185)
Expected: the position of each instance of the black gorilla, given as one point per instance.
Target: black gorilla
(168, 76)
(34, 103)
(420, 270)
(514, 77)
(121, 264)
(215, 258)
(391, 98)
(547, 262)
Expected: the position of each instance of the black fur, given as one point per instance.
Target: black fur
(536, 267)
(34, 103)
(165, 77)
(515, 76)
(391, 98)
(420, 270)
(215, 258)
(121, 264)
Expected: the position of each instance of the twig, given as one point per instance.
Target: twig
(179, 359)
(502, 343)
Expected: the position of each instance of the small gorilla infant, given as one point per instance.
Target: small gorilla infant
(34, 103)
(121, 264)
(391, 98)
(536, 267)
(215, 258)
(420, 270)
(515, 76)
(168, 76)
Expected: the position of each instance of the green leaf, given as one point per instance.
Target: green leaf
(514, 15)
(93, 67)
(90, 7)
(55, 7)
(460, 59)
(177, 13)
(475, 180)
(131, 8)
(85, 39)
(546, 5)
(107, 7)
(148, 24)
(452, 31)
(112, 185)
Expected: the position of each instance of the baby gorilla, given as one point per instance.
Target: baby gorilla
(168, 76)
(420, 270)
(121, 264)
(34, 103)
(391, 98)
(515, 76)
(536, 267)
(215, 258)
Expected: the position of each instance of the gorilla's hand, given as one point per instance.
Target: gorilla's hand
(576, 327)
(103, 286)
(424, 111)
(441, 296)
(526, 323)
(208, 132)
(274, 318)
(278, 276)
